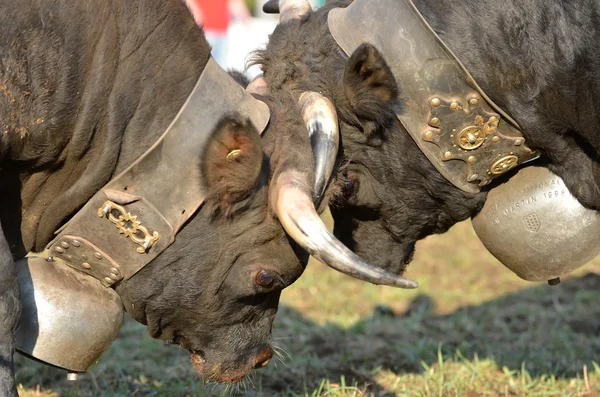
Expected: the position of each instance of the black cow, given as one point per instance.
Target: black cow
(536, 59)
(85, 89)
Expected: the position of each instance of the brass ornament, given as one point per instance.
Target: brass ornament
(471, 138)
(506, 163)
(463, 130)
(233, 154)
(129, 225)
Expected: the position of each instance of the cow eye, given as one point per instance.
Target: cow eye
(264, 279)
(349, 186)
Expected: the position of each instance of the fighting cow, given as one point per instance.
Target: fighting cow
(86, 88)
(535, 59)
(87, 91)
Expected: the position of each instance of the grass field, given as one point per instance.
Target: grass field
(471, 329)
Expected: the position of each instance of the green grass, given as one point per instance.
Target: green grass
(473, 328)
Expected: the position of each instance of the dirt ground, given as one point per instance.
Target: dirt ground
(472, 328)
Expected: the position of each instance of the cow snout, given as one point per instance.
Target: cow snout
(263, 358)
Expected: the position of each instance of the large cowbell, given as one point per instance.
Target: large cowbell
(69, 319)
(536, 228)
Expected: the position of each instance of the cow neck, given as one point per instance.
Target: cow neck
(464, 134)
(137, 215)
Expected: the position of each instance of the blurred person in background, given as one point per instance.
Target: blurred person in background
(215, 16)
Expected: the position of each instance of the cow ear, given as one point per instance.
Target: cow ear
(231, 162)
(369, 84)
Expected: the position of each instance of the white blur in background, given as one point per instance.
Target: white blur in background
(243, 38)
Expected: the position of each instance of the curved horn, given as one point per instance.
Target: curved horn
(258, 86)
(322, 124)
(271, 7)
(291, 199)
(289, 9)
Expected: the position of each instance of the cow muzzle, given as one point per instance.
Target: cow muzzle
(68, 318)
(536, 228)
(226, 372)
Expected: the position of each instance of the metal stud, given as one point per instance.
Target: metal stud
(108, 280)
(473, 177)
(518, 142)
(233, 154)
(86, 265)
(98, 255)
(76, 243)
(447, 155)
(473, 101)
(428, 135)
(114, 271)
(114, 277)
(434, 121)
(454, 106)
(471, 159)
(495, 139)
(493, 119)
(65, 244)
(59, 250)
(436, 102)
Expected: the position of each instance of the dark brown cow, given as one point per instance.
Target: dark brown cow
(85, 89)
(535, 59)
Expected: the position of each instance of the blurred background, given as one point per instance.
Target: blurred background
(234, 28)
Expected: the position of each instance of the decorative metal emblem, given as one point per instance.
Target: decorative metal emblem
(129, 225)
(504, 164)
(471, 138)
(464, 130)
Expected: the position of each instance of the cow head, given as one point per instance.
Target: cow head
(384, 194)
(215, 290)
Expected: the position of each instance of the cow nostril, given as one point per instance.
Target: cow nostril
(263, 364)
(263, 358)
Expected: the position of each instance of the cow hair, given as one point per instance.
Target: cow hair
(302, 55)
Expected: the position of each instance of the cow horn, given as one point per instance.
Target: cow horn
(322, 125)
(290, 197)
(257, 86)
(289, 9)
(271, 7)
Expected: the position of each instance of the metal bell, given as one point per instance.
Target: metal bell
(536, 228)
(69, 319)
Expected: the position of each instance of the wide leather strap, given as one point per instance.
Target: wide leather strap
(138, 213)
(462, 132)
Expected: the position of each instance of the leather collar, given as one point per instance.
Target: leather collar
(467, 137)
(137, 215)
